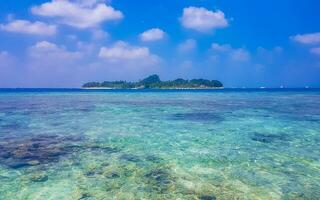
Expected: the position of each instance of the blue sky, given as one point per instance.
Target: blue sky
(64, 43)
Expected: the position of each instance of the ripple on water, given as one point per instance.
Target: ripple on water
(11, 127)
(266, 147)
(197, 117)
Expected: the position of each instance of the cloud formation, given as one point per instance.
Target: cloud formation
(51, 65)
(221, 48)
(203, 20)
(122, 51)
(99, 34)
(310, 39)
(240, 55)
(8, 70)
(152, 34)
(3, 55)
(187, 45)
(315, 51)
(49, 51)
(236, 54)
(27, 27)
(79, 14)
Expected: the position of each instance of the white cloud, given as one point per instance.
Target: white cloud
(221, 48)
(99, 34)
(72, 37)
(203, 20)
(89, 2)
(268, 56)
(240, 55)
(3, 55)
(24, 26)
(6, 60)
(263, 52)
(152, 34)
(315, 51)
(187, 45)
(122, 52)
(186, 65)
(80, 14)
(236, 54)
(48, 62)
(9, 70)
(311, 38)
(88, 48)
(49, 51)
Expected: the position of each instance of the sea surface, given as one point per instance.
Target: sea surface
(58, 144)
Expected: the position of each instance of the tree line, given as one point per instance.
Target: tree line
(154, 82)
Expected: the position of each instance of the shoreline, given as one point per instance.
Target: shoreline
(107, 88)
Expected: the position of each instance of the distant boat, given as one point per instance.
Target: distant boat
(262, 87)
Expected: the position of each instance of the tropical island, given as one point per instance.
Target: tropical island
(154, 82)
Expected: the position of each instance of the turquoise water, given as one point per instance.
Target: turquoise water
(227, 144)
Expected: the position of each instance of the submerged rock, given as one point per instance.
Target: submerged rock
(112, 175)
(154, 159)
(267, 138)
(90, 173)
(24, 151)
(33, 162)
(130, 158)
(17, 164)
(159, 180)
(93, 173)
(84, 195)
(207, 197)
(29, 151)
(39, 177)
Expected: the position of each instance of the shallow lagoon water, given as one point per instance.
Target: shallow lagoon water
(226, 144)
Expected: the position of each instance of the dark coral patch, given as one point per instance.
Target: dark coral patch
(16, 164)
(93, 172)
(159, 180)
(267, 138)
(130, 158)
(39, 177)
(207, 197)
(40, 149)
(112, 175)
(154, 159)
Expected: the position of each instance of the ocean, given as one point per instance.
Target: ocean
(160, 144)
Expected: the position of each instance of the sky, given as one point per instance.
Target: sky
(245, 43)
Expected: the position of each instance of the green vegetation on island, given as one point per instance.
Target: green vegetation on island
(154, 82)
